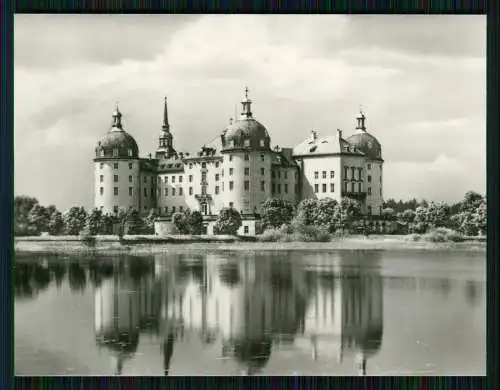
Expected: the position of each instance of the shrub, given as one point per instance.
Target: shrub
(443, 235)
(228, 222)
(271, 235)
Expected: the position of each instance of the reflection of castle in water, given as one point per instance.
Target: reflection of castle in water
(249, 305)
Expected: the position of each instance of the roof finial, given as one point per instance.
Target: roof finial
(247, 103)
(246, 92)
(361, 119)
(117, 117)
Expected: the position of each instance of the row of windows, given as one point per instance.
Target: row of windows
(324, 187)
(353, 188)
(276, 188)
(203, 165)
(246, 143)
(323, 174)
(116, 152)
(353, 172)
(130, 191)
(115, 165)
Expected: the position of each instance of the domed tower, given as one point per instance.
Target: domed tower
(246, 162)
(116, 166)
(372, 149)
(165, 141)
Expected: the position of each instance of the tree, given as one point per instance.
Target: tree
(150, 222)
(38, 218)
(471, 201)
(328, 214)
(94, 222)
(56, 223)
(481, 217)
(350, 210)
(228, 222)
(195, 222)
(408, 215)
(276, 212)
(74, 220)
(133, 223)
(180, 222)
(307, 211)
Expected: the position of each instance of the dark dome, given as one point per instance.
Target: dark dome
(245, 129)
(367, 143)
(118, 140)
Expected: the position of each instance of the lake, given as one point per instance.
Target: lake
(251, 313)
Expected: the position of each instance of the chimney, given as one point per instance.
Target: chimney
(314, 135)
(339, 132)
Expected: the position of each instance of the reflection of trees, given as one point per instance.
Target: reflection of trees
(76, 276)
(22, 280)
(41, 277)
(58, 269)
(229, 274)
(253, 354)
(473, 292)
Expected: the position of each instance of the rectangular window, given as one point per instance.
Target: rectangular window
(166, 191)
(190, 178)
(324, 174)
(316, 175)
(230, 157)
(190, 190)
(345, 172)
(316, 188)
(262, 171)
(262, 157)
(247, 171)
(246, 185)
(101, 190)
(101, 165)
(369, 190)
(115, 178)
(217, 164)
(130, 191)
(130, 152)
(231, 171)
(273, 174)
(273, 188)
(231, 184)
(101, 178)
(145, 180)
(166, 209)
(279, 188)
(286, 188)
(245, 229)
(262, 143)
(216, 177)
(173, 191)
(130, 178)
(180, 191)
(246, 155)
(152, 192)
(345, 186)
(203, 190)
(130, 165)
(115, 165)
(381, 192)
(115, 209)
(190, 165)
(370, 210)
(262, 186)
(216, 190)
(369, 179)
(115, 152)
(203, 165)
(352, 187)
(173, 209)
(324, 187)
(286, 175)
(359, 187)
(145, 192)
(173, 179)
(332, 187)
(165, 179)
(360, 174)
(116, 191)
(353, 173)
(203, 176)
(279, 174)
(332, 174)
(369, 166)
(181, 208)
(180, 179)
(231, 204)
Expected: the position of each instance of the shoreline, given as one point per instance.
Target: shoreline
(155, 244)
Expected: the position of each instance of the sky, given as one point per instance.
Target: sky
(420, 79)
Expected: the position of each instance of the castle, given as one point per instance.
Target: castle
(240, 170)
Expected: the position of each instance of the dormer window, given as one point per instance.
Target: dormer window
(231, 144)
(261, 143)
(102, 152)
(115, 152)
(247, 142)
(204, 165)
(130, 152)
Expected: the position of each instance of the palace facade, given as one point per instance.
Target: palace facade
(242, 169)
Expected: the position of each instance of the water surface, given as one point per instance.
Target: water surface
(262, 313)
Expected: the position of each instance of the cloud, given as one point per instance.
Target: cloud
(303, 71)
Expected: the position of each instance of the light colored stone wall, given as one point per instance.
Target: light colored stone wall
(309, 180)
(375, 199)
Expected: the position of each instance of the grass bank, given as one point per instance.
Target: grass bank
(157, 244)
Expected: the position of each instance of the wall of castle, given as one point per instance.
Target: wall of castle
(284, 183)
(321, 177)
(374, 186)
(116, 185)
(147, 192)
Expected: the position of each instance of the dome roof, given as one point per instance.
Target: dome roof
(364, 141)
(245, 132)
(117, 143)
(367, 143)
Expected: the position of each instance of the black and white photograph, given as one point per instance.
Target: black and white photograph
(245, 194)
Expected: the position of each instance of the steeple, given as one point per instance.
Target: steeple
(165, 126)
(361, 120)
(117, 118)
(247, 106)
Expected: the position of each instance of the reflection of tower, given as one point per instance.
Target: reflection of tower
(117, 318)
(346, 314)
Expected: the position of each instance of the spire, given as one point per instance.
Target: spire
(117, 118)
(361, 120)
(247, 106)
(165, 126)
